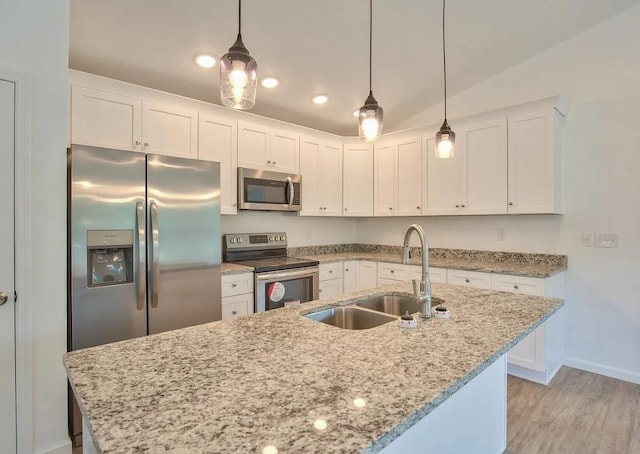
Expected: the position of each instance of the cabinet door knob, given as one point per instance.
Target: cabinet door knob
(269, 161)
(137, 142)
(510, 203)
(391, 208)
(467, 281)
(330, 271)
(516, 287)
(234, 285)
(463, 205)
(274, 163)
(346, 209)
(457, 206)
(393, 271)
(234, 312)
(417, 208)
(346, 269)
(319, 290)
(146, 144)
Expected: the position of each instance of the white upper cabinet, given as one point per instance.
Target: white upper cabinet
(384, 178)
(358, 180)
(484, 148)
(474, 181)
(262, 147)
(399, 169)
(535, 162)
(169, 130)
(321, 170)
(411, 172)
(218, 141)
(106, 120)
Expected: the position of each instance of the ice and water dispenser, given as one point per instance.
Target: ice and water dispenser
(109, 257)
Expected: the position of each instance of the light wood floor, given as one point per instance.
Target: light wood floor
(577, 413)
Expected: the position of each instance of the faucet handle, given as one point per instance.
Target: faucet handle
(418, 287)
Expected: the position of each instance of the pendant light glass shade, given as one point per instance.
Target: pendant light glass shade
(238, 74)
(445, 141)
(445, 138)
(370, 120)
(371, 114)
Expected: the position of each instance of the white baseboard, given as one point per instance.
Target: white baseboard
(612, 372)
(63, 448)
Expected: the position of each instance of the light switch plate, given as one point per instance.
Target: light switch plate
(606, 240)
(587, 239)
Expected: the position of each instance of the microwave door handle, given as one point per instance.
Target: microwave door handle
(155, 255)
(292, 190)
(141, 281)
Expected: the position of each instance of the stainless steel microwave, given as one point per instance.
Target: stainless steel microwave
(271, 191)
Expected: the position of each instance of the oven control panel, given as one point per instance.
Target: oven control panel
(255, 240)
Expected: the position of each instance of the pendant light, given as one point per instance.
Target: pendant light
(445, 138)
(370, 116)
(238, 73)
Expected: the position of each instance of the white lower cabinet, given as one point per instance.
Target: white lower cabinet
(237, 295)
(538, 356)
(367, 275)
(473, 279)
(350, 276)
(330, 281)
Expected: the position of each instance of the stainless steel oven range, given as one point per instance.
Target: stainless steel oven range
(279, 280)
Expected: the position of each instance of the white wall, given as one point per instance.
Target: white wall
(301, 231)
(599, 73)
(34, 39)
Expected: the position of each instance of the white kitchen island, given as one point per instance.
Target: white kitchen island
(279, 382)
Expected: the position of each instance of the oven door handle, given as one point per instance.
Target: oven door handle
(306, 272)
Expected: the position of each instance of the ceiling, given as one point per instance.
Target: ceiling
(321, 46)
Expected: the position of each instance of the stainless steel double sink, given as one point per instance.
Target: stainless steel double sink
(369, 313)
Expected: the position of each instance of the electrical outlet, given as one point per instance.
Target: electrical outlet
(502, 233)
(587, 239)
(606, 240)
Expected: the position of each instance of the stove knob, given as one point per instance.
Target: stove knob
(271, 238)
(240, 240)
(281, 237)
(232, 240)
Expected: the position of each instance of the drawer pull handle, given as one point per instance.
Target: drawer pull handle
(392, 271)
(234, 285)
(516, 287)
(235, 312)
(330, 271)
(467, 281)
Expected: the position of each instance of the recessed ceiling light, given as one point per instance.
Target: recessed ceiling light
(205, 61)
(320, 99)
(270, 82)
(356, 112)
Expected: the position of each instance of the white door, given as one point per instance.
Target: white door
(384, 171)
(309, 169)
(169, 130)
(330, 182)
(410, 176)
(7, 337)
(358, 180)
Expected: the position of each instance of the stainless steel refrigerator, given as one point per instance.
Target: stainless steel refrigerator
(144, 247)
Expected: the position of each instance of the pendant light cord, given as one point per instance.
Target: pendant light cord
(370, 42)
(444, 63)
(239, 17)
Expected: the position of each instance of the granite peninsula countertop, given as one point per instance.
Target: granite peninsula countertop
(514, 263)
(234, 268)
(262, 380)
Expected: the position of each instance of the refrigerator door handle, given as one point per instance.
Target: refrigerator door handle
(291, 190)
(155, 255)
(141, 281)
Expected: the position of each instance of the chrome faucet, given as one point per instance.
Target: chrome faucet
(421, 288)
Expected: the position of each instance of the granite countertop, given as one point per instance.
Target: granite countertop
(264, 379)
(234, 268)
(514, 263)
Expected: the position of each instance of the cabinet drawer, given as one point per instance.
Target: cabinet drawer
(384, 281)
(469, 278)
(330, 271)
(395, 271)
(237, 284)
(236, 306)
(517, 284)
(435, 274)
